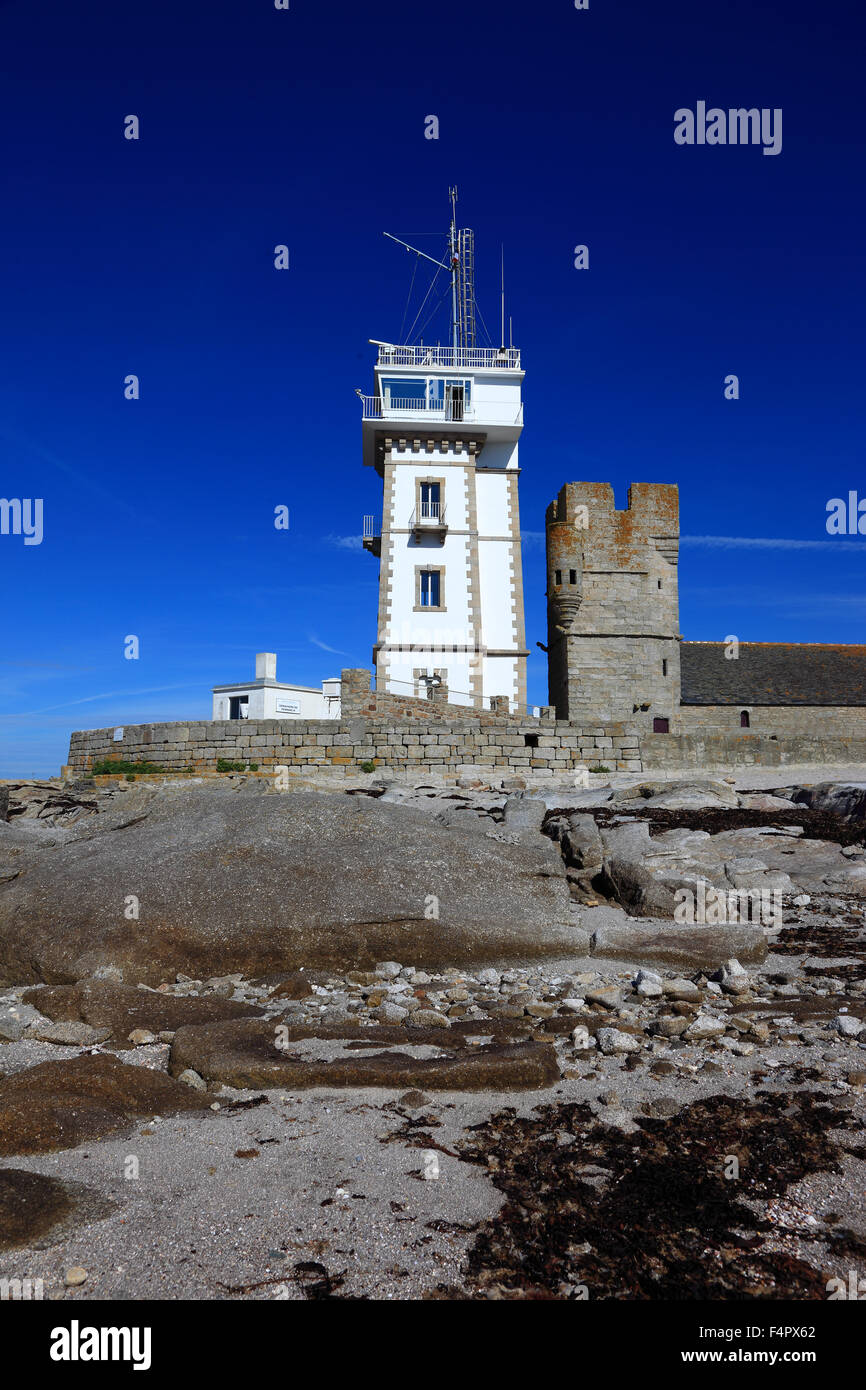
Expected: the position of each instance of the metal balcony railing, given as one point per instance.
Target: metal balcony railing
(371, 528)
(429, 514)
(399, 407)
(394, 356)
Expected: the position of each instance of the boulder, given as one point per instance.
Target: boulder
(844, 799)
(582, 845)
(524, 813)
(244, 879)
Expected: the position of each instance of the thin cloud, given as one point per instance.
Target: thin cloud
(771, 543)
(335, 651)
(345, 542)
(91, 699)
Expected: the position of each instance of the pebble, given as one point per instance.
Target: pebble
(611, 1041)
(671, 1026)
(388, 969)
(609, 997)
(573, 1004)
(192, 1078)
(705, 1028)
(390, 1013)
(648, 984)
(430, 1018)
(682, 989)
(75, 1277)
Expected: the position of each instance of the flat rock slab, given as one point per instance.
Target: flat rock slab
(30, 1206)
(245, 1055)
(58, 1105)
(697, 946)
(254, 881)
(121, 1008)
(365, 1035)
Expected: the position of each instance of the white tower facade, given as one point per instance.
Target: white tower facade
(442, 429)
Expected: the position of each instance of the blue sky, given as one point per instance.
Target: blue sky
(306, 127)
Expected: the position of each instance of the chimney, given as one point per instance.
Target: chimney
(266, 666)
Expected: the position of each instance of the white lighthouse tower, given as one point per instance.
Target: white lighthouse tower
(441, 430)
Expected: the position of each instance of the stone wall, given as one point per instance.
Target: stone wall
(443, 746)
(356, 698)
(723, 750)
(782, 721)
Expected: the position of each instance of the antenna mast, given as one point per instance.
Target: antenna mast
(455, 266)
(502, 283)
(461, 267)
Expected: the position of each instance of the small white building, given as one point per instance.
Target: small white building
(267, 698)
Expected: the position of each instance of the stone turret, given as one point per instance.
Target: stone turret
(612, 604)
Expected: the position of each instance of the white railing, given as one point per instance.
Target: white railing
(374, 408)
(431, 514)
(448, 357)
(371, 529)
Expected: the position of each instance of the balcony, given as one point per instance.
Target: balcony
(429, 520)
(413, 408)
(478, 359)
(372, 537)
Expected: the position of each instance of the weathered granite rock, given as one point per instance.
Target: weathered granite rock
(845, 799)
(57, 1105)
(68, 1034)
(245, 1055)
(247, 880)
(678, 796)
(122, 1009)
(581, 844)
(647, 872)
(663, 944)
(524, 813)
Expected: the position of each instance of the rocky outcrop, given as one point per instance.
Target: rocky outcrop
(646, 871)
(228, 880)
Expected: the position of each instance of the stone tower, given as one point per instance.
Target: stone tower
(612, 605)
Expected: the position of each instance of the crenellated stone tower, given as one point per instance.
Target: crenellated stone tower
(612, 605)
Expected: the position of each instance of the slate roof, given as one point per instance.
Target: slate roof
(773, 673)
